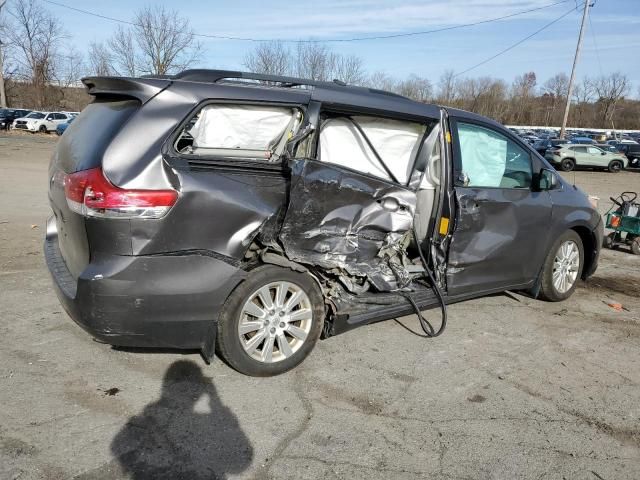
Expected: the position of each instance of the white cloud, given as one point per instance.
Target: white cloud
(369, 17)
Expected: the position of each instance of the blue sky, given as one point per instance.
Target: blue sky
(614, 28)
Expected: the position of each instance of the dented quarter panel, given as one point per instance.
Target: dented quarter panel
(220, 212)
(338, 218)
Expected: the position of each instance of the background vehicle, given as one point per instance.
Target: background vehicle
(582, 140)
(631, 151)
(63, 126)
(542, 146)
(43, 122)
(569, 157)
(202, 210)
(8, 115)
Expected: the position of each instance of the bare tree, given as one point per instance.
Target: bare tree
(610, 90)
(271, 58)
(71, 67)
(36, 36)
(159, 42)
(416, 88)
(349, 69)
(583, 91)
(100, 60)
(314, 61)
(382, 81)
(123, 58)
(555, 91)
(447, 87)
(165, 40)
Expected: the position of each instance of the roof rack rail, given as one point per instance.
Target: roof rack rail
(213, 76)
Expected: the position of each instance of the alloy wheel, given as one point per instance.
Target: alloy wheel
(566, 265)
(275, 322)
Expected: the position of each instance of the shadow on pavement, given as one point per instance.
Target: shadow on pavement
(187, 434)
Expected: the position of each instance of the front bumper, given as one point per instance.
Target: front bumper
(598, 235)
(25, 126)
(166, 301)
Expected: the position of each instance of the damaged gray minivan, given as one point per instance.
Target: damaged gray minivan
(250, 214)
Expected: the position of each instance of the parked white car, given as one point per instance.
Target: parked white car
(41, 121)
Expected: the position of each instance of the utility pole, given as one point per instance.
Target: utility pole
(585, 13)
(3, 95)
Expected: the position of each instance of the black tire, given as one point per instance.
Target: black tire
(609, 240)
(635, 246)
(228, 341)
(615, 166)
(567, 164)
(547, 290)
(42, 129)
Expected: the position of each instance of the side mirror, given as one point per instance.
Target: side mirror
(547, 180)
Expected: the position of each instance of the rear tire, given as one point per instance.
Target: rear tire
(567, 164)
(560, 273)
(615, 166)
(282, 342)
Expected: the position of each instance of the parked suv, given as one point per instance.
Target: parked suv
(631, 151)
(542, 146)
(43, 122)
(569, 157)
(250, 213)
(8, 115)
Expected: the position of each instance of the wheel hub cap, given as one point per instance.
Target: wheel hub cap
(275, 322)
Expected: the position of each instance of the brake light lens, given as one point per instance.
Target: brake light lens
(89, 193)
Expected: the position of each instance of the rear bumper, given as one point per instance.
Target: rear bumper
(167, 301)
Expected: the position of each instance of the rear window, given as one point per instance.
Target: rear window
(86, 139)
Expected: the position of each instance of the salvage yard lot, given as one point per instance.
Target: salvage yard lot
(515, 388)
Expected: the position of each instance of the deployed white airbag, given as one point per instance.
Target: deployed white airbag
(484, 155)
(246, 127)
(395, 141)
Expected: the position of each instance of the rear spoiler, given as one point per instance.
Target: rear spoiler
(144, 89)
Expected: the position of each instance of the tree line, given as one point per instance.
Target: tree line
(42, 69)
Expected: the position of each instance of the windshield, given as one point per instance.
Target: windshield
(35, 115)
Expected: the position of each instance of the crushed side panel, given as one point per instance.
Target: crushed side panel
(348, 223)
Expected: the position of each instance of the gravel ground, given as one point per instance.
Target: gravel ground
(515, 388)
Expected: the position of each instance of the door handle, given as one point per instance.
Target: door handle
(471, 203)
(391, 204)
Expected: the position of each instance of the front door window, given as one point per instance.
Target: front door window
(490, 159)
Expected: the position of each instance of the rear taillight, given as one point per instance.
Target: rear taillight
(89, 193)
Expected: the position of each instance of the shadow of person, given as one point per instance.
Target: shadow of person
(187, 434)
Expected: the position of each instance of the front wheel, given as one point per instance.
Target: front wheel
(42, 129)
(271, 321)
(562, 268)
(567, 164)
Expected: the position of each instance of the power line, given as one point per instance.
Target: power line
(511, 47)
(595, 44)
(329, 40)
